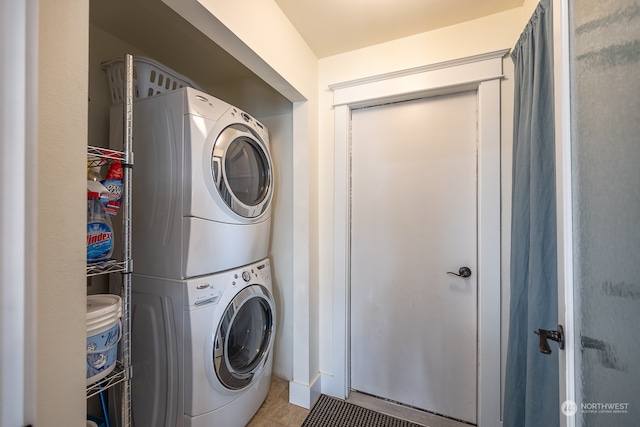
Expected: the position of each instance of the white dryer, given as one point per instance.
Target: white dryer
(202, 348)
(202, 184)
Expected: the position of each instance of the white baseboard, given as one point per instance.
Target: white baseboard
(305, 395)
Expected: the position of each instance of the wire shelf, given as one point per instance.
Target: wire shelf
(97, 156)
(115, 377)
(106, 267)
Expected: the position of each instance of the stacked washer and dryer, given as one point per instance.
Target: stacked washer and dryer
(203, 312)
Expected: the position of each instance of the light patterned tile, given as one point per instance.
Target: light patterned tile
(276, 411)
(298, 415)
(276, 389)
(263, 422)
(286, 413)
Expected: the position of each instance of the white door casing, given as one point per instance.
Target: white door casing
(562, 108)
(481, 73)
(18, 216)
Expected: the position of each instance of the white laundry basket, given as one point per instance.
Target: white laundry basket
(149, 78)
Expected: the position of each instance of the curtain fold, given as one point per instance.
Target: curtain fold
(531, 382)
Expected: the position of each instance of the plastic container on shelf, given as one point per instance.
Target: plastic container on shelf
(104, 331)
(99, 230)
(149, 78)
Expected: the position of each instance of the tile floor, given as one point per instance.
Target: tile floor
(276, 411)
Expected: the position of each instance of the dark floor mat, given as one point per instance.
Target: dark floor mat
(331, 412)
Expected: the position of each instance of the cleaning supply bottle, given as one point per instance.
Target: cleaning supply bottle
(99, 230)
(94, 178)
(113, 185)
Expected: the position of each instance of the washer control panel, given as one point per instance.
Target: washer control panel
(209, 290)
(264, 269)
(202, 291)
(244, 276)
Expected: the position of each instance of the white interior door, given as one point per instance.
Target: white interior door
(413, 219)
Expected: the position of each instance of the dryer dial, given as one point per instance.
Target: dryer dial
(246, 276)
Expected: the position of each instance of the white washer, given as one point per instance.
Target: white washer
(202, 348)
(202, 184)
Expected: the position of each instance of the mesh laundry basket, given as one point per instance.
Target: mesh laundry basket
(149, 78)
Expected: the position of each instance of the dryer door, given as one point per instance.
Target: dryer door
(244, 337)
(242, 171)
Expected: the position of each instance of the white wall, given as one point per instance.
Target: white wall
(61, 255)
(263, 27)
(488, 34)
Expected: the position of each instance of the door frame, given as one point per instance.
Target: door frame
(564, 207)
(19, 213)
(482, 73)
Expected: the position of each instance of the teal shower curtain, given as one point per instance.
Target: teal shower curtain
(531, 383)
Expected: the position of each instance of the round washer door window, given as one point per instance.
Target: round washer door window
(244, 337)
(241, 169)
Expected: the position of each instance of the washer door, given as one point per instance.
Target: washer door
(244, 337)
(242, 172)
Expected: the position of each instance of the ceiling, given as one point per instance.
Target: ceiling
(331, 27)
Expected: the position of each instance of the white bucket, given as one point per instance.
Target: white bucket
(104, 331)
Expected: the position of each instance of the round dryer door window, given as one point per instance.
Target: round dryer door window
(244, 337)
(241, 168)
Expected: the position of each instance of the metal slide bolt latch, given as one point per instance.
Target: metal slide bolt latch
(557, 336)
